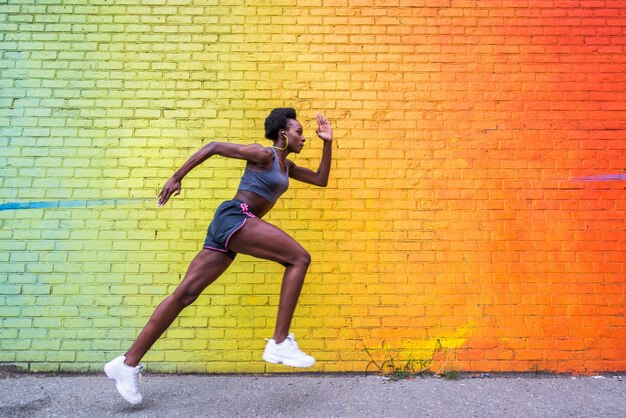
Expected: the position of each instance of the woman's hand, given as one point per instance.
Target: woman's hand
(171, 187)
(324, 130)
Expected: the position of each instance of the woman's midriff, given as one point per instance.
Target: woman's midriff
(256, 204)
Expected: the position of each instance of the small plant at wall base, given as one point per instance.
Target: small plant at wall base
(451, 375)
(395, 366)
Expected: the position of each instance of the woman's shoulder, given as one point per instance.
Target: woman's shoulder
(264, 155)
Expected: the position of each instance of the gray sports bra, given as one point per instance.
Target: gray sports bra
(269, 184)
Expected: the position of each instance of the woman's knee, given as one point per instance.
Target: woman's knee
(184, 297)
(301, 258)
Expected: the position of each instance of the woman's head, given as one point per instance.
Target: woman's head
(278, 120)
(282, 127)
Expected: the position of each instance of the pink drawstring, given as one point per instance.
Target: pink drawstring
(246, 210)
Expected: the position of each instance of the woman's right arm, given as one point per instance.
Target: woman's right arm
(254, 153)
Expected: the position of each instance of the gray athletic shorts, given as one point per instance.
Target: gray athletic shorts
(229, 218)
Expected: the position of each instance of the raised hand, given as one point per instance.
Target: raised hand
(324, 130)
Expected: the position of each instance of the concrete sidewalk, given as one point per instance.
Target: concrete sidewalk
(314, 395)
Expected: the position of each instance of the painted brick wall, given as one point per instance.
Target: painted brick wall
(476, 208)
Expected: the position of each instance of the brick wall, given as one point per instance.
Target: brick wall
(475, 208)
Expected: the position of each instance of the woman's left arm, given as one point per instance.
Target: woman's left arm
(319, 177)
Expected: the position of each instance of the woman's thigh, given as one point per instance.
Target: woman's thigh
(261, 239)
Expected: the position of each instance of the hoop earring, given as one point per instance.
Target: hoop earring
(286, 143)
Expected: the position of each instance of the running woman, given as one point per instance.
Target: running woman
(237, 227)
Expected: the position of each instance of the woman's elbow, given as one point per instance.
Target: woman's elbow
(210, 148)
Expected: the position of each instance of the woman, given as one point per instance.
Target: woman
(237, 227)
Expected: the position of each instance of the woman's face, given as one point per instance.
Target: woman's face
(294, 134)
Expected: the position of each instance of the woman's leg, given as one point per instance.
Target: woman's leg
(263, 240)
(205, 268)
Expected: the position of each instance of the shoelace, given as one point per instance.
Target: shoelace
(292, 342)
(293, 346)
(287, 341)
(137, 375)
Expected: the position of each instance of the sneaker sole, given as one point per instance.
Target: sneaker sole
(110, 376)
(277, 360)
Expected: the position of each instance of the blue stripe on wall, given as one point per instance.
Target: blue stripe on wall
(68, 204)
(603, 177)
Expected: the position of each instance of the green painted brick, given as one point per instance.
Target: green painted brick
(55, 357)
(137, 300)
(153, 290)
(193, 322)
(17, 322)
(110, 301)
(108, 345)
(79, 323)
(8, 333)
(79, 300)
(33, 333)
(193, 345)
(121, 334)
(191, 367)
(84, 235)
(39, 267)
(63, 334)
(23, 235)
(35, 311)
(126, 246)
(68, 267)
(123, 289)
(67, 289)
(76, 367)
(163, 367)
(113, 236)
(97, 267)
(50, 300)
(58, 27)
(41, 246)
(136, 323)
(76, 345)
(43, 367)
(17, 182)
(8, 289)
(93, 312)
(106, 323)
(30, 356)
(15, 345)
(49, 323)
(19, 300)
(89, 332)
(62, 311)
(93, 357)
(121, 311)
(7, 356)
(36, 289)
(92, 290)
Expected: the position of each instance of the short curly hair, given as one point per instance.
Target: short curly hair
(278, 119)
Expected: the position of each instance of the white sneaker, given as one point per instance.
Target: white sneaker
(125, 378)
(286, 353)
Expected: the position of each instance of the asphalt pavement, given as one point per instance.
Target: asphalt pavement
(315, 395)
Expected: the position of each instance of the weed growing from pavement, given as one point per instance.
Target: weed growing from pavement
(451, 375)
(396, 366)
